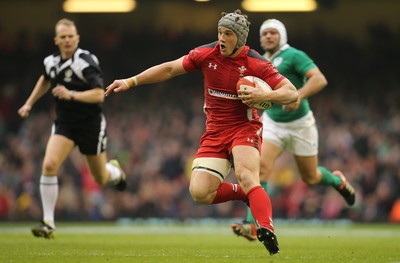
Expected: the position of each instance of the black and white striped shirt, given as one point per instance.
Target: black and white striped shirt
(81, 72)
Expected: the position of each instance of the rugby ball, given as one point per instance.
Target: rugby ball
(249, 82)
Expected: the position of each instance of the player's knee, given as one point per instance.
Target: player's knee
(50, 167)
(200, 196)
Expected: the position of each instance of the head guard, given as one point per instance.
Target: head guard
(238, 23)
(277, 25)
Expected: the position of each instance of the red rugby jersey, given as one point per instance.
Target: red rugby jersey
(222, 106)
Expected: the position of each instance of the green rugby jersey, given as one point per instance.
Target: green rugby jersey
(293, 64)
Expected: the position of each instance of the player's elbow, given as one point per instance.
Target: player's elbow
(321, 82)
(101, 99)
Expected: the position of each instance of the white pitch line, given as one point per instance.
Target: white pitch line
(207, 230)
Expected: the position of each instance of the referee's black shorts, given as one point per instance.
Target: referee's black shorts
(91, 138)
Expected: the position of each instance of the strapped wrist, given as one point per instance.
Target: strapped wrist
(130, 82)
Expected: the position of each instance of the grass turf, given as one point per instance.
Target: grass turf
(91, 242)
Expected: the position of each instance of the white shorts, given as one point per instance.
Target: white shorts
(299, 137)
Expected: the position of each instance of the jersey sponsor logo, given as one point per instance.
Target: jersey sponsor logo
(211, 65)
(67, 75)
(242, 69)
(221, 94)
(277, 61)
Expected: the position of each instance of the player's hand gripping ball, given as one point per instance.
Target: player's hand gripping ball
(249, 82)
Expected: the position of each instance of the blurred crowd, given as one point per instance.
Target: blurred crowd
(154, 131)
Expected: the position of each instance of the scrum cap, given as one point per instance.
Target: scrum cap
(238, 23)
(277, 25)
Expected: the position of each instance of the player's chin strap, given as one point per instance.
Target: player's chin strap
(234, 51)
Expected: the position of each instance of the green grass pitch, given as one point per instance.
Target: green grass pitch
(101, 242)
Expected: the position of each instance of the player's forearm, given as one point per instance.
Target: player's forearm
(91, 96)
(284, 95)
(313, 85)
(41, 87)
(155, 74)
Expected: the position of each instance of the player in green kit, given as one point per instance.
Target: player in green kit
(292, 127)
